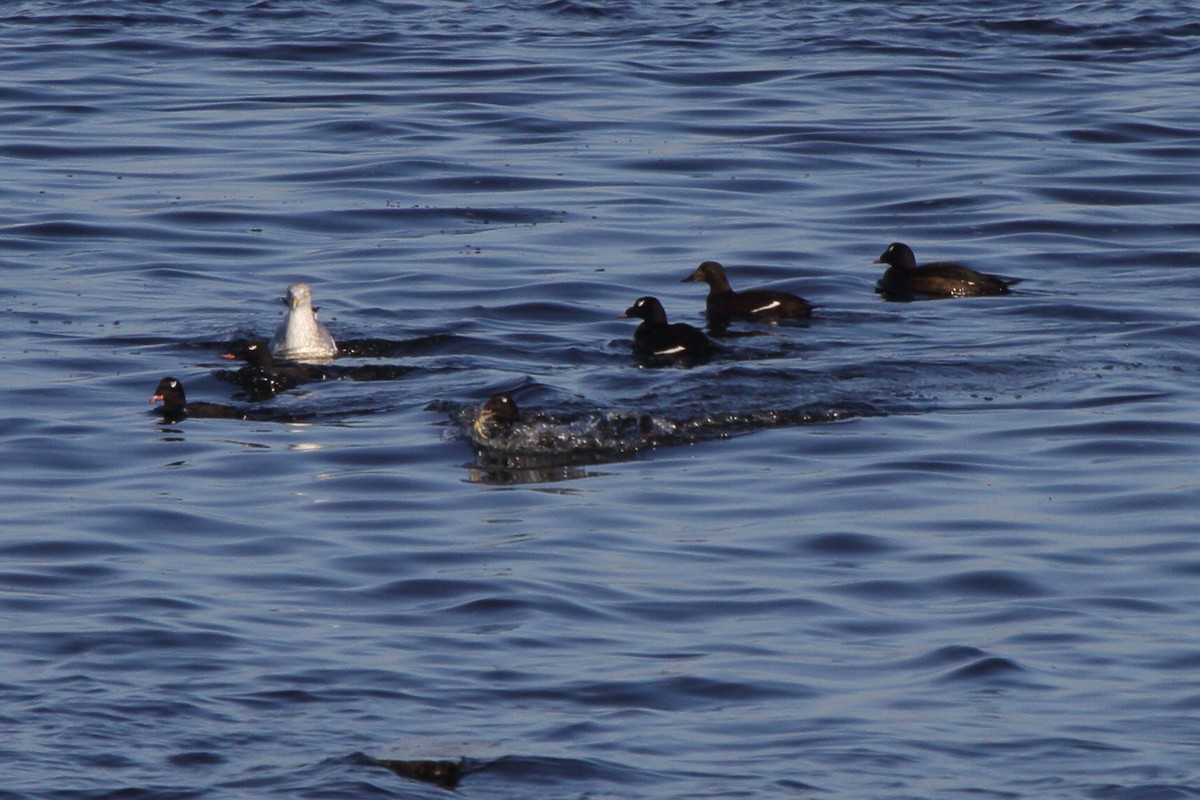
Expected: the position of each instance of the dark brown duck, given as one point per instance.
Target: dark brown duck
(904, 280)
(755, 305)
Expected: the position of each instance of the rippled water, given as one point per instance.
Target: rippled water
(902, 550)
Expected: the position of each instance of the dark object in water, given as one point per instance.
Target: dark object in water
(496, 417)
(260, 379)
(175, 406)
(904, 280)
(440, 772)
(755, 305)
(536, 447)
(656, 339)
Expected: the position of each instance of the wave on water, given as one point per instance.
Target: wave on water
(547, 445)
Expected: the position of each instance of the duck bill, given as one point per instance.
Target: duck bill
(158, 398)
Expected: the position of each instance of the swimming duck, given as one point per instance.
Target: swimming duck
(904, 280)
(300, 337)
(175, 406)
(259, 377)
(496, 417)
(756, 305)
(656, 338)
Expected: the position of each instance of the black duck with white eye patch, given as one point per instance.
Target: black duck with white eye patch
(175, 406)
(658, 339)
(259, 378)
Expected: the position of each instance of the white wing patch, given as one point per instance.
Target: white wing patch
(767, 307)
(670, 351)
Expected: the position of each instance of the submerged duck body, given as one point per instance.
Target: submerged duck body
(262, 378)
(656, 338)
(300, 337)
(515, 447)
(175, 406)
(755, 305)
(259, 378)
(904, 280)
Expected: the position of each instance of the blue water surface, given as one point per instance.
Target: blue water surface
(937, 549)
